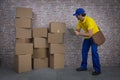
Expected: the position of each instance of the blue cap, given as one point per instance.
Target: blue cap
(79, 11)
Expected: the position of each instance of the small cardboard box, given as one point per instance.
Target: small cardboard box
(57, 48)
(40, 32)
(55, 38)
(40, 43)
(39, 53)
(24, 48)
(22, 63)
(24, 12)
(57, 61)
(23, 40)
(40, 63)
(23, 22)
(57, 27)
(23, 33)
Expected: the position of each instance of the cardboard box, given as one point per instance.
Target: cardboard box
(40, 63)
(39, 53)
(40, 43)
(23, 40)
(23, 22)
(55, 38)
(24, 48)
(24, 12)
(57, 48)
(23, 33)
(57, 61)
(57, 27)
(23, 63)
(40, 32)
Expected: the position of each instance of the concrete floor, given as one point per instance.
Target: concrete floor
(108, 73)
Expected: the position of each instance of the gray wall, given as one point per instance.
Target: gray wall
(105, 12)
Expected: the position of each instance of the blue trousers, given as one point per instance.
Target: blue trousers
(95, 57)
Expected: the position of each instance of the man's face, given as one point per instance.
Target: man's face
(80, 17)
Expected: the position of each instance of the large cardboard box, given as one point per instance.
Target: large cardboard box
(24, 48)
(24, 12)
(40, 32)
(22, 63)
(23, 22)
(40, 43)
(23, 33)
(57, 61)
(57, 27)
(57, 48)
(39, 53)
(40, 63)
(55, 38)
(23, 40)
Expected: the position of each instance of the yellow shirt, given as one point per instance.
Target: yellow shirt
(87, 24)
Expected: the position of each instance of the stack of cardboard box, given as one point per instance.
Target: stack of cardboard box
(56, 40)
(40, 58)
(24, 46)
(32, 43)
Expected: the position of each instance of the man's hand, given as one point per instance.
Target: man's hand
(77, 33)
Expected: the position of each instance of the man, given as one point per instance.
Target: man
(90, 27)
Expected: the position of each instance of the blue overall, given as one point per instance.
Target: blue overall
(95, 57)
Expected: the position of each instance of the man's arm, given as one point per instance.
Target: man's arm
(88, 34)
(78, 30)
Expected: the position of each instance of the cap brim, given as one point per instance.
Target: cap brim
(75, 14)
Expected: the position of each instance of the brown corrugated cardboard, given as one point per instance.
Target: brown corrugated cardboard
(55, 38)
(23, 40)
(57, 48)
(39, 53)
(40, 63)
(56, 61)
(23, 33)
(57, 27)
(40, 43)
(40, 32)
(23, 22)
(24, 12)
(23, 63)
(23, 48)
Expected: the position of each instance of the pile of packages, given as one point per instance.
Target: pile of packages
(37, 48)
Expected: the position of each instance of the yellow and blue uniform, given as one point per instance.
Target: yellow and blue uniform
(89, 24)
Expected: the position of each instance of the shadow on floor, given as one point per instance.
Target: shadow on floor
(108, 73)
